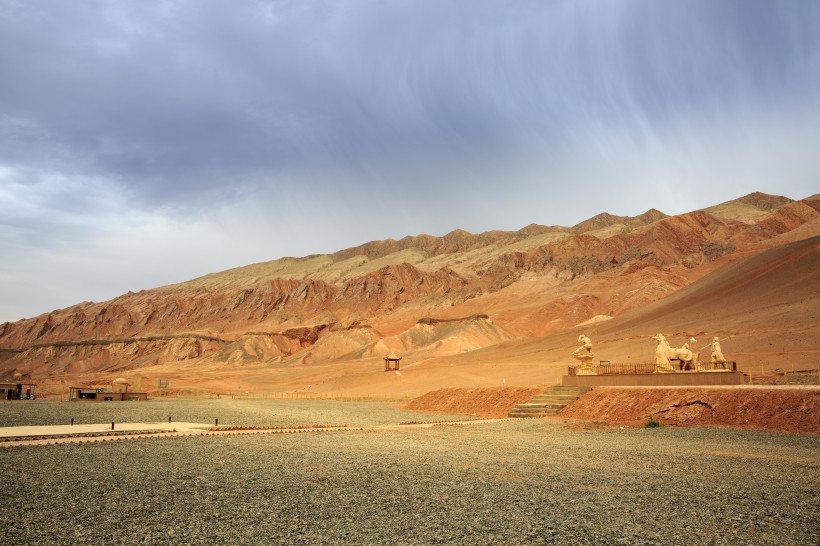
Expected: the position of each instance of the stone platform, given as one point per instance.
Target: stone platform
(678, 379)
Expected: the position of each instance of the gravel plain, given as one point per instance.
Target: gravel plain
(541, 481)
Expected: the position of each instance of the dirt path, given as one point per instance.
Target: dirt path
(67, 434)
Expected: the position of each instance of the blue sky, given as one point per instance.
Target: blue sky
(146, 143)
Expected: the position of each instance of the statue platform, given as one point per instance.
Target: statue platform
(673, 379)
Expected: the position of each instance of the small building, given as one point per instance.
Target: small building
(392, 362)
(118, 392)
(17, 391)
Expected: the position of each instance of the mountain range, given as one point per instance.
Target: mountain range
(496, 308)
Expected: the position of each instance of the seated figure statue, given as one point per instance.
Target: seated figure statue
(585, 355)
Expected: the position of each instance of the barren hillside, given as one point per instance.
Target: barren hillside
(462, 310)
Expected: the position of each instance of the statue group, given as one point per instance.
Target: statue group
(687, 360)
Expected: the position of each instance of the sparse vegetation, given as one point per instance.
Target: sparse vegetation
(714, 250)
(634, 253)
(651, 422)
(544, 260)
(579, 265)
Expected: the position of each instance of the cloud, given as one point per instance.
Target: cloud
(134, 131)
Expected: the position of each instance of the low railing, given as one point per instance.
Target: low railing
(607, 368)
(344, 397)
(712, 366)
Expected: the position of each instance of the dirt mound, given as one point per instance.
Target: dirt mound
(775, 409)
(488, 403)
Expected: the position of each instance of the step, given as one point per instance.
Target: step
(537, 409)
(550, 402)
(562, 393)
(568, 389)
(529, 405)
(530, 415)
(553, 398)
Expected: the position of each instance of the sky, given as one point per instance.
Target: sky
(149, 143)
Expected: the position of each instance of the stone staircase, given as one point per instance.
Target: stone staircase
(550, 402)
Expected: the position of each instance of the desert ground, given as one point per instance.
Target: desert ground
(533, 481)
(481, 323)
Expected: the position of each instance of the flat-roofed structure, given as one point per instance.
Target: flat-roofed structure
(13, 390)
(118, 392)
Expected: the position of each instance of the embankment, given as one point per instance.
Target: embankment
(784, 409)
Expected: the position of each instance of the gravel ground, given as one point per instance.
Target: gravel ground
(511, 482)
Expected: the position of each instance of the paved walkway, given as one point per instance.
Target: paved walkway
(59, 430)
(101, 432)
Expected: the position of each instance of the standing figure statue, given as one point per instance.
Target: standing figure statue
(662, 363)
(717, 353)
(585, 355)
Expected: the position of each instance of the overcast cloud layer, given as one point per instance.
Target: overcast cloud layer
(146, 143)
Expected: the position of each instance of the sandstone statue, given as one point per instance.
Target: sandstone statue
(664, 354)
(717, 352)
(585, 355)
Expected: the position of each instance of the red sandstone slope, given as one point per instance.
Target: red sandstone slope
(764, 306)
(366, 302)
(759, 289)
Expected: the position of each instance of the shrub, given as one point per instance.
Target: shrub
(652, 423)
(635, 253)
(714, 250)
(584, 264)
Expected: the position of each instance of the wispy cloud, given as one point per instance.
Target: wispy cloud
(276, 128)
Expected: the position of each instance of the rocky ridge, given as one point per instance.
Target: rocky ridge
(367, 301)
